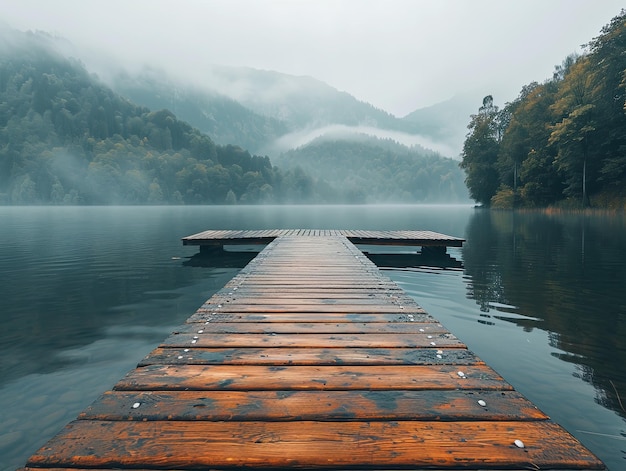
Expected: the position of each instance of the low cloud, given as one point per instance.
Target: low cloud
(340, 131)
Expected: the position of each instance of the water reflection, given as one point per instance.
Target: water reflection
(564, 274)
(413, 260)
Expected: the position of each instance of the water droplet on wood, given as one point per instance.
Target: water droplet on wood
(519, 443)
(482, 403)
(136, 405)
(461, 374)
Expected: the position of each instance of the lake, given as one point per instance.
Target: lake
(87, 292)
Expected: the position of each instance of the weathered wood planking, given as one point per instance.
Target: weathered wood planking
(416, 238)
(317, 405)
(310, 359)
(313, 445)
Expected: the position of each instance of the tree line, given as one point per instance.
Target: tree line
(561, 142)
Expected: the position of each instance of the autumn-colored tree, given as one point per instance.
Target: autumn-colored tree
(573, 133)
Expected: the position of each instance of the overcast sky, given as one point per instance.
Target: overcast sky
(399, 55)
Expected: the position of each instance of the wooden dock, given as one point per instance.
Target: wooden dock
(311, 359)
(429, 239)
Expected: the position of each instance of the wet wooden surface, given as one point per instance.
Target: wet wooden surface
(234, 237)
(311, 359)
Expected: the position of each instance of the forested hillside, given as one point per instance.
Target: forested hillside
(67, 139)
(224, 119)
(560, 142)
(361, 166)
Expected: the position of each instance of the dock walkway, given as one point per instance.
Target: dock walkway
(310, 358)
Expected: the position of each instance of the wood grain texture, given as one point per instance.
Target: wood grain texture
(293, 406)
(310, 356)
(260, 377)
(390, 340)
(326, 445)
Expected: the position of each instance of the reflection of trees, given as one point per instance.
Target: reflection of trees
(485, 281)
(565, 270)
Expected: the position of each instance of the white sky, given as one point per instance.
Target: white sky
(399, 55)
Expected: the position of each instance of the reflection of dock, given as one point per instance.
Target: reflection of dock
(310, 358)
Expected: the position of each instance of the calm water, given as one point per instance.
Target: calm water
(87, 292)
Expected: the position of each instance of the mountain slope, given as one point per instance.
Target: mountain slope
(269, 112)
(68, 139)
(302, 102)
(221, 117)
(445, 122)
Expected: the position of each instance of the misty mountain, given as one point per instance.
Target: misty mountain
(68, 138)
(310, 107)
(446, 122)
(301, 102)
(270, 112)
(224, 119)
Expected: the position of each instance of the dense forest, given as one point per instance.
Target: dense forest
(561, 142)
(67, 138)
(381, 167)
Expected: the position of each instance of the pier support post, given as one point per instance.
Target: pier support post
(434, 250)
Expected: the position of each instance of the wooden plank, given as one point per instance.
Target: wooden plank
(310, 356)
(337, 340)
(311, 301)
(208, 315)
(263, 378)
(302, 308)
(430, 328)
(312, 405)
(323, 445)
(311, 293)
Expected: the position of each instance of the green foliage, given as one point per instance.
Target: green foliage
(564, 139)
(67, 139)
(480, 153)
(363, 169)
